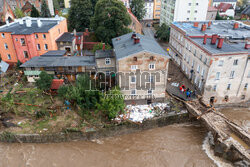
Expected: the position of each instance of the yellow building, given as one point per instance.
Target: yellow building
(157, 9)
(67, 3)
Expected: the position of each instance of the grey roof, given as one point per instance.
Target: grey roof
(104, 54)
(73, 61)
(222, 28)
(246, 11)
(124, 46)
(54, 53)
(3, 67)
(224, 0)
(68, 37)
(17, 28)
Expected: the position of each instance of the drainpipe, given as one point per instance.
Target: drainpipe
(242, 77)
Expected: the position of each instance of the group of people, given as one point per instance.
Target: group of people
(187, 91)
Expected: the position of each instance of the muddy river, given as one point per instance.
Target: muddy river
(179, 145)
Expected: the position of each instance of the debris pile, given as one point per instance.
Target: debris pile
(139, 113)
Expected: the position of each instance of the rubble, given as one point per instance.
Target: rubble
(139, 113)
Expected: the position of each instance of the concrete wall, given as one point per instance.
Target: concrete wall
(113, 130)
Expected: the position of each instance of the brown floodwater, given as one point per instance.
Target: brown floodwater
(179, 145)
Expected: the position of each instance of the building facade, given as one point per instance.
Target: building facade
(215, 57)
(157, 9)
(149, 6)
(216, 3)
(126, 3)
(142, 66)
(178, 10)
(28, 37)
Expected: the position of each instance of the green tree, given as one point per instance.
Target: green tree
(45, 10)
(44, 81)
(110, 20)
(99, 47)
(218, 17)
(93, 4)
(56, 4)
(110, 104)
(163, 32)
(18, 13)
(80, 13)
(138, 8)
(34, 12)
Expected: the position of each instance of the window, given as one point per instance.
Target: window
(232, 74)
(38, 47)
(197, 4)
(151, 57)
(59, 31)
(202, 72)
(107, 61)
(6, 46)
(205, 60)
(215, 87)
(193, 64)
(151, 79)
(150, 91)
(44, 36)
(189, 4)
(243, 97)
(133, 67)
(25, 54)
(195, 18)
(36, 76)
(151, 66)
(3, 35)
(16, 39)
(245, 86)
(69, 68)
(236, 62)
(22, 42)
(107, 73)
(36, 36)
(45, 46)
(198, 68)
(188, 11)
(187, 18)
(217, 76)
(33, 69)
(201, 57)
(226, 98)
(133, 79)
(228, 86)
(135, 58)
(133, 92)
(220, 63)
(195, 11)
(9, 57)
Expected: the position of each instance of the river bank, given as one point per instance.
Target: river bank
(108, 131)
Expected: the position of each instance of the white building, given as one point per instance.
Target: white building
(149, 6)
(126, 3)
(215, 57)
(180, 10)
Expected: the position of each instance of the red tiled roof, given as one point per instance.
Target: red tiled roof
(211, 8)
(56, 83)
(223, 7)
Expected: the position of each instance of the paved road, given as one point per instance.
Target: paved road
(148, 31)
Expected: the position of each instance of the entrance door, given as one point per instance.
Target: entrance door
(212, 100)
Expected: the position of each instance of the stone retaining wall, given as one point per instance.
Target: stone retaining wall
(114, 130)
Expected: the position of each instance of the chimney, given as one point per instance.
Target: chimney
(28, 22)
(196, 24)
(56, 12)
(236, 25)
(39, 23)
(203, 27)
(103, 46)
(7, 22)
(205, 39)
(247, 45)
(214, 38)
(133, 35)
(136, 40)
(220, 42)
(209, 24)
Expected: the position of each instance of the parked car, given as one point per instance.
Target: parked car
(148, 25)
